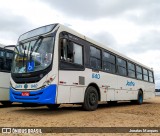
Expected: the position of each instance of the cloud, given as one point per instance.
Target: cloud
(105, 38)
(99, 9)
(13, 22)
(147, 15)
(88, 9)
(12, 25)
(148, 41)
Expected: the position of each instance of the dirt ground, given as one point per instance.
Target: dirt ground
(124, 114)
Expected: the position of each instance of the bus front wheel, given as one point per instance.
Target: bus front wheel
(53, 106)
(90, 99)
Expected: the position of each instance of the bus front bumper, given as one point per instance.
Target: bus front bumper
(43, 96)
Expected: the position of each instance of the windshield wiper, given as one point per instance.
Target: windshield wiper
(40, 39)
(24, 55)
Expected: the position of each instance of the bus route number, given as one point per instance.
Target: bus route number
(97, 76)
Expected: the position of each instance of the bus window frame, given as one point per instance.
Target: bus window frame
(71, 65)
(86, 57)
(100, 59)
(5, 51)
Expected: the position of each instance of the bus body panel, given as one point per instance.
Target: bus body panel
(4, 86)
(110, 94)
(4, 94)
(43, 96)
(63, 94)
(112, 87)
(70, 94)
(69, 90)
(77, 94)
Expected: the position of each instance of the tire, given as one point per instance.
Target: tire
(53, 106)
(90, 99)
(6, 103)
(140, 98)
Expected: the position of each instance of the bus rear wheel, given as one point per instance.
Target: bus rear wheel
(140, 97)
(6, 103)
(53, 106)
(90, 99)
(139, 100)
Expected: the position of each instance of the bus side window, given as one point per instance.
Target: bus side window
(78, 54)
(71, 52)
(1, 60)
(1, 64)
(64, 49)
(109, 62)
(95, 58)
(145, 74)
(6, 60)
(139, 72)
(151, 79)
(8, 63)
(131, 70)
(122, 67)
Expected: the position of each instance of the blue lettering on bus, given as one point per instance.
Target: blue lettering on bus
(97, 76)
(34, 86)
(18, 86)
(130, 83)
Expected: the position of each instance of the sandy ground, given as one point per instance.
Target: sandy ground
(124, 114)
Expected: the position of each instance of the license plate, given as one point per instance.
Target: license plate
(25, 93)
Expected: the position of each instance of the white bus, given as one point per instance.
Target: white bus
(5, 68)
(55, 65)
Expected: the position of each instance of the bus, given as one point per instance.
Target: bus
(6, 57)
(56, 65)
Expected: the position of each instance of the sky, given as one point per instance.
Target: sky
(131, 27)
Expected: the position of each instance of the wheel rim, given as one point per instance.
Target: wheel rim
(92, 99)
(140, 99)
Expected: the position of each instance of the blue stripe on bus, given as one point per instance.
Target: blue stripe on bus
(44, 96)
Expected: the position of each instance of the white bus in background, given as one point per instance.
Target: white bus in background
(6, 57)
(55, 65)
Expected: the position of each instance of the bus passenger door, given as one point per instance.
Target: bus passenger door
(71, 71)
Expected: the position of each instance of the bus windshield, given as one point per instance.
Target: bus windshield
(34, 55)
